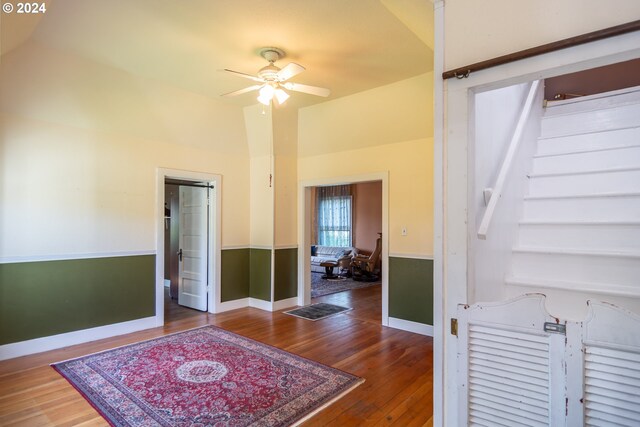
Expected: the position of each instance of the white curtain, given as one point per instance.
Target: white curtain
(334, 215)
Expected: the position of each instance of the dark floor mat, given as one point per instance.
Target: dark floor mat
(317, 311)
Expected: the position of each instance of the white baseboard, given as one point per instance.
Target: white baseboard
(273, 306)
(261, 304)
(233, 305)
(38, 345)
(409, 326)
(285, 303)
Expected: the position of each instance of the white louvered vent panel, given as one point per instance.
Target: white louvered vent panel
(508, 378)
(611, 387)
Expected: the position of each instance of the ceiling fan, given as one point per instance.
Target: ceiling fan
(273, 80)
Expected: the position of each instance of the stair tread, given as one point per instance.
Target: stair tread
(586, 172)
(586, 151)
(587, 98)
(595, 287)
(552, 114)
(585, 196)
(612, 130)
(580, 223)
(576, 251)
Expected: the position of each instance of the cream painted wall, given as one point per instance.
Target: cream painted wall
(479, 30)
(272, 137)
(53, 86)
(261, 202)
(72, 191)
(259, 127)
(285, 136)
(80, 145)
(259, 130)
(389, 128)
(402, 111)
(417, 15)
(286, 199)
(410, 166)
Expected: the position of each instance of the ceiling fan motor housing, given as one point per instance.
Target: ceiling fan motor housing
(269, 73)
(271, 54)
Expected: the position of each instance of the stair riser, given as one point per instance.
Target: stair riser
(602, 182)
(591, 121)
(589, 141)
(591, 209)
(590, 237)
(590, 269)
(582, 104)
(628, 157)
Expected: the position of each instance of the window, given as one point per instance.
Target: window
(334, 216)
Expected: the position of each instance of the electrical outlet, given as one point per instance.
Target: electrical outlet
(404, 231)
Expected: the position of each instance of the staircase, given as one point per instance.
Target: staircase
(580, 227)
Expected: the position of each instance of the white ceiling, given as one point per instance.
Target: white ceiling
(346, 45)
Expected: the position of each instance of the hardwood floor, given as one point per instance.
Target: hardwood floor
(397, 365)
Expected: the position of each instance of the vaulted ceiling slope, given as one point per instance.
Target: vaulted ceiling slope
(347, 46)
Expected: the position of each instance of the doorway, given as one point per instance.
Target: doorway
(187, 205)
(346, 244)
(454, 156)
(305, 234)
(188, 241)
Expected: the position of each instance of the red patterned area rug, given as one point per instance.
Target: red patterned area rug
(204, 377)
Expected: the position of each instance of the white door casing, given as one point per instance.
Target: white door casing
(193, 242)
(304, 233)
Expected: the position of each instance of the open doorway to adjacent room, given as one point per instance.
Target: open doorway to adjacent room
(344, 245)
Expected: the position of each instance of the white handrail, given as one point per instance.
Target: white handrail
(506, 163)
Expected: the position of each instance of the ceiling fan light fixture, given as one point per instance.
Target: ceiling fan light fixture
(266, 94)
(264, 100)
(281, 96)
(267, 91)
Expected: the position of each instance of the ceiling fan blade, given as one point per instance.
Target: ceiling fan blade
(246, 76)
(313, 90)
(241, 91)
(289, 71)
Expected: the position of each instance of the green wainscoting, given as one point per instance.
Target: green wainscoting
(260, 274)
(411, 289)
(285, 274)
(234, 274)
(39, 299)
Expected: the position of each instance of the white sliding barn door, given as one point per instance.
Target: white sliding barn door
(193, 241)
(518, 368)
